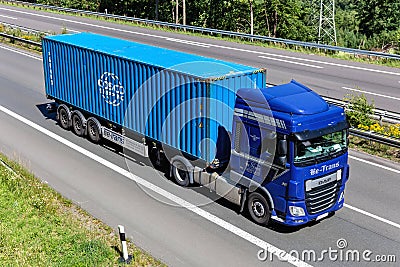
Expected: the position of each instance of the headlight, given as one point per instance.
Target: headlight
(296, 211)
(339, 174)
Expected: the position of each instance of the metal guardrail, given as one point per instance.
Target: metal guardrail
(374, 137)
(22, 40)
(219, 32)
(22, 28)
(379, 114)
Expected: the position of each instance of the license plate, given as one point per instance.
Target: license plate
(310, 184)
(113, 137)
(322, 216)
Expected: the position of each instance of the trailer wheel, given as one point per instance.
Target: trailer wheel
(78, 124)
(63, 118)
(180, 173)
(258, 208)
(93, 130)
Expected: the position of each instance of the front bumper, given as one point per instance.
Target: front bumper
(290, 220)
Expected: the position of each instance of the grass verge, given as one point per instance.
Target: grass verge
(340, 55)
(38, 227)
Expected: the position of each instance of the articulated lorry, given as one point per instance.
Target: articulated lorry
(279, 153)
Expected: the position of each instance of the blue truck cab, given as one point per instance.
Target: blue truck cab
(290, 145)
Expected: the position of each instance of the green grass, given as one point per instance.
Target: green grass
(38, 227)
(340, 55)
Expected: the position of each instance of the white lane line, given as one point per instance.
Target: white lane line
(366, 212)
(292, 62)
(69, 30)
(188, 42)
(375, 164)
(189, 206)
(372, 215)
(8, 17)
(334, 64)
(370, 93)
(202, 44)
(20, 52)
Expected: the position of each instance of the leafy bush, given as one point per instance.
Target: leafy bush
(359, 110)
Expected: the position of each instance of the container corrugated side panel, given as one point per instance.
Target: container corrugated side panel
(221, 103)
(170, 99)
(163, 105)
(72, 75)
(167, 108)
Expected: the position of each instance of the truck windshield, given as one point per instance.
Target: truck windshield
(320, 148)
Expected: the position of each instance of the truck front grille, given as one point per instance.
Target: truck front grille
(322, 197)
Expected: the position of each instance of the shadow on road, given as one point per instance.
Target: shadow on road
(49, 115)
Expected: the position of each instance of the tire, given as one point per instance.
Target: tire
(258, 208)
(77, 124)
(180, 173)
(93, 130)
(63, 118)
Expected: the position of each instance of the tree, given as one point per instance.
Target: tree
(251, 17)
(156, 10)
(362, 24)
(285, 19)
(377, 16)
(183, 12)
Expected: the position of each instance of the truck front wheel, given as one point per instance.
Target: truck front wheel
(258, 208)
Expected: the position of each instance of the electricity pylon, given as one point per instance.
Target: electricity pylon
(326, 27)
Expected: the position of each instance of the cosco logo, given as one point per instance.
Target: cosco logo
(111, 89)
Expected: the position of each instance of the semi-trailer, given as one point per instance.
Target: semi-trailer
(278, 152)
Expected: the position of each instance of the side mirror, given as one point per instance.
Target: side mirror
(282, 148)
(281, 161)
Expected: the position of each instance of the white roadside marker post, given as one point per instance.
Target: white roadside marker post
(125, 257)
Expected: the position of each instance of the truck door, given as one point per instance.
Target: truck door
(256, 148)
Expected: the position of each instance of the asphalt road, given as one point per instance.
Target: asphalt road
(212, 234)
(327, 76)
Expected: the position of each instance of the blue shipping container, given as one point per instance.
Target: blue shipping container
(176, 98)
